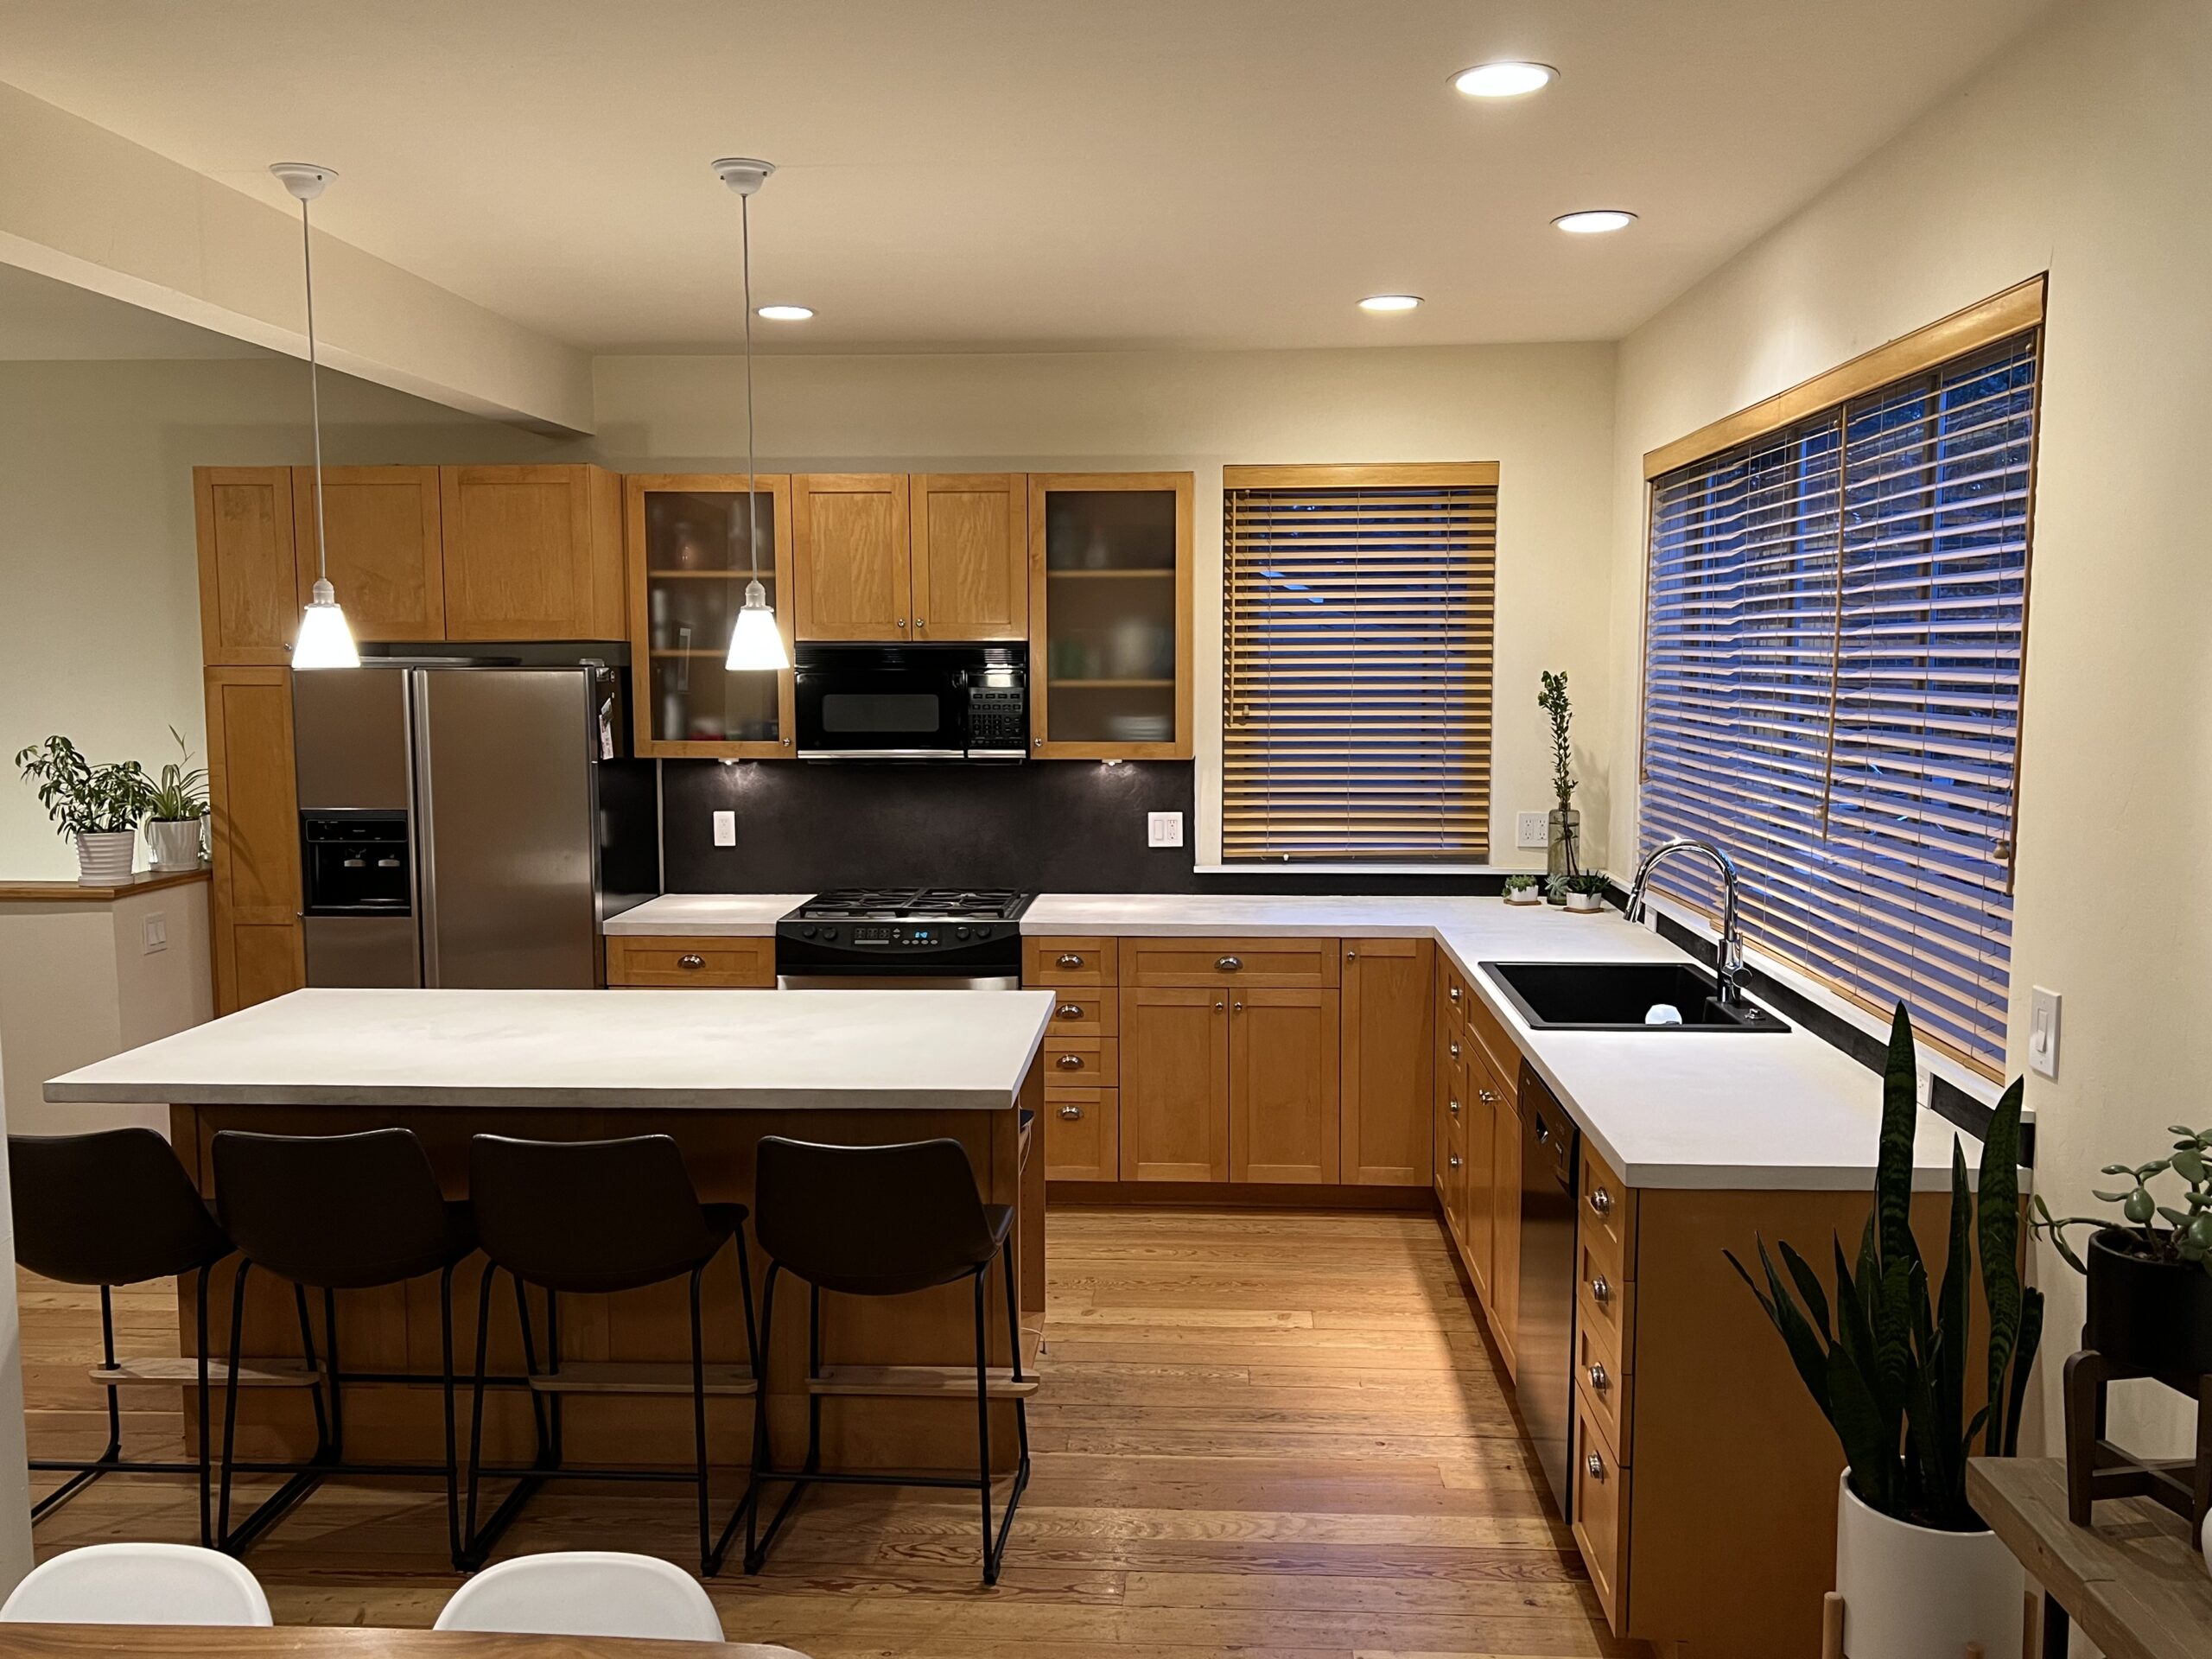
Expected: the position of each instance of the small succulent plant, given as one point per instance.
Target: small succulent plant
(1587, 881)
(2187, 1235)
(1519, 884)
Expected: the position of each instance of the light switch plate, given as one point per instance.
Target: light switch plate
(157, 932)
(1163, 828)
(1531, 830)
(2043, 1033)
(725, 828)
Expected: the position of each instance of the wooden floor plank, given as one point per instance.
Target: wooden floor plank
(1269, 1434)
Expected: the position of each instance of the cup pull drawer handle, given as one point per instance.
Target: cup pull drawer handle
(1487, 1097)
(1070, 960)
(1071, 1113)
(1229, 964)
(689, 961)
(1454, 1106)
(1598, 1380)
(1070, 1062)
(1069, 1011)
(1596, 1466)
(1602, 1201)
(1455, 1051)
(1599, 1290)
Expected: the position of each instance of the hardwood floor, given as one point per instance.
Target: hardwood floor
(1260, 1433)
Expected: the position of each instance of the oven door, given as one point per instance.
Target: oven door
(870, 702)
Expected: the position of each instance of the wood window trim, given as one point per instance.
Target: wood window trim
(1467, 475)
(2016, 310)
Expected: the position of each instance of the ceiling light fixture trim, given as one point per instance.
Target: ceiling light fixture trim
(1595, 221)
(1385, 302)
(1504, 78)
(785, 313)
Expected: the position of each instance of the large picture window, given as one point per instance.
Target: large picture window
(1836, 624)
(1356, 661)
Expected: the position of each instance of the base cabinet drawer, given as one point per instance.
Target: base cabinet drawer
(1607, 1388)
(1601, 1514)
(1084, 961)
(666, 960)
(1082, 1134)
(1084, 1012)
(1093, 1062)
(1279, 964)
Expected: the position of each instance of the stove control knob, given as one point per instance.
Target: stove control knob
(806, 933)
(830, 933)
(959, 932)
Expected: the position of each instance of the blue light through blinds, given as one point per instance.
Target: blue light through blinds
(1834, 649)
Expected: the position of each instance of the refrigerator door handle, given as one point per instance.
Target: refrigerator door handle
(425, 824)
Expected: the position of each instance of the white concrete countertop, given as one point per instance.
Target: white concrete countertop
(1665, 1108)
(760, 1050)
(707, 915)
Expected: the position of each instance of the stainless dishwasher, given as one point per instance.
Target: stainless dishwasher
(1544, 1383)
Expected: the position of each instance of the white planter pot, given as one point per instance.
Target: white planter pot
(1913, 1592)
(104, 857)
(175, 842)
(1586, 904)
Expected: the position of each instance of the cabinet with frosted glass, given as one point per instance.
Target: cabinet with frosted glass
(1109, 615)
(689, 541)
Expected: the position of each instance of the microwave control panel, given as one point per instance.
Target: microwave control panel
(997, 717)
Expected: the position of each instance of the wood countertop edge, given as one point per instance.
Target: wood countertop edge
(78, 892)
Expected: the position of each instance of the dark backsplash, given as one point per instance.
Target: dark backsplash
(1057, 826)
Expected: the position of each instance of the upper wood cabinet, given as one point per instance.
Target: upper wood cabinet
(971, 567)
(387, 557)
(1387, 1063)
(1109, 615)
(852, 557)
(531, 553)
(249, 609)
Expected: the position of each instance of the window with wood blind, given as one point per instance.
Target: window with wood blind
(1356, 661)
(1836, 625)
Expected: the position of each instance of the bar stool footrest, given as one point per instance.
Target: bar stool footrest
(252, 1373)
(653, 1377)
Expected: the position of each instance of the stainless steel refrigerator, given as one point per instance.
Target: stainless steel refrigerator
(465, 825)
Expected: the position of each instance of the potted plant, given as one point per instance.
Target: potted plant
(2150, 1285)
(178, 807)
(1522, 890)
(1919, 1576)
(1586, 892)
(1564, 844)
(100, 806)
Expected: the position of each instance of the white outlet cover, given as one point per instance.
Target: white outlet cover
(1532, 829)
(2043, 1033)
(1163, 828)
(725, 828)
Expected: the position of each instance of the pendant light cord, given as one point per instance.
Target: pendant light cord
(752, 492)
(314, 396)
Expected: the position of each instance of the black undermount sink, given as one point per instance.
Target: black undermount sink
(1616, 996)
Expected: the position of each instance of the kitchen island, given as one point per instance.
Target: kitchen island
(717, 1070)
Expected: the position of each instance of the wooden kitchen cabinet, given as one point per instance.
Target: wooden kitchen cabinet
(1283, 1086)
(672, 961)
(1387, 1115)
(852, 554)
(386, 558)
(1478, 1237)
(1082, 1133)
(1505, 1232)
(253, 812)
(970, 556)
(249, 574)
(1109, 615)
(1174, 1078)
(532, 553)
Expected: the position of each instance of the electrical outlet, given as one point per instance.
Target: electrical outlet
(725, 828)
(1163, 828)
(157, 932)
(1532, 829)
(2043, 1033)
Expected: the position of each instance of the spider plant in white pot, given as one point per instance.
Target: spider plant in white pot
(178, 808)
(100, 807)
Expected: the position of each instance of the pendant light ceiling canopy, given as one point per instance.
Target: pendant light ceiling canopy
(756, 641)
(325, 641)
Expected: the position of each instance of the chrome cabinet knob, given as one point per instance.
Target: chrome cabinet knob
(1070, 1062)
(1487, 1097)
(1455, 993)
(1069, 1011)
(1229, 964)
(1454, 1104)
(918, 623)
(1455, 1051)
(1602, 1201)
(1239, 1008)
(689, 961)
(1596, 1465)
(1454, 1160)
(1036, 743)
(1071, 1113)
(1599, 1290)
(1598, 1380)
(902, 621)
(1070, 960)
(1218, 1006)
(1351, 955)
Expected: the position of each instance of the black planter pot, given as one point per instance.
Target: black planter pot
(2148, 1318)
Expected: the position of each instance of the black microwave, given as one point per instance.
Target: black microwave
(912, 703)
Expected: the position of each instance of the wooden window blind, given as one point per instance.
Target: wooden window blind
(1359, 605)
(1836, 625)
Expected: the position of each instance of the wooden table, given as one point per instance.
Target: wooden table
(2132, 1582)
(342, 1642)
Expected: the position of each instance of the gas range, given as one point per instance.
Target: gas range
(922, 937)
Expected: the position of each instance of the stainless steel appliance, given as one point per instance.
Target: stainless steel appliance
(1544, 1344)
(912, 703)
(906, 938)
(465, 825)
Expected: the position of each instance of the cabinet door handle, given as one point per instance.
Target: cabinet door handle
(1455, 1160)
(1455, 993)
(1229, 964)
(1602, 1201)
(1069, 1011)
(1239, 1008)
(1596, 1466)
(689, 961)
(1071, 1113)
(1599, 1290)
(919, 624)
(1217, 1007)
(1487, 1097)
(1598, 1380)
(1455, 1051)
(1070, 1062)
(1351, 955)
(1070, 960)
(902, 621)
(1455, 1108)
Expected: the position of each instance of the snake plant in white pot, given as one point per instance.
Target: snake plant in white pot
(101, 807)
(1919, 1576)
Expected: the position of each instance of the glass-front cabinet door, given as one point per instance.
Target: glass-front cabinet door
(690, 547)
(1109, 630)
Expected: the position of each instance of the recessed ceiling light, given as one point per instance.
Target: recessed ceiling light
(1390, 302)
(786, 313)
(1595, 221)
(1511, 78)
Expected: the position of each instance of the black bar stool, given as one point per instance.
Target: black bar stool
(113, 1207)
(593, 1218)
(884, 1221)
(334, 1213)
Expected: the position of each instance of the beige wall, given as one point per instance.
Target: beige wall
(1543, 412)
(2081, 151)
(99, 601)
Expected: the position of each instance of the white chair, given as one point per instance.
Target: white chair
(584, 1593)
(138, 1584)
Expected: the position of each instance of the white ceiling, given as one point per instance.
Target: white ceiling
(40, 318)
(1014, 175)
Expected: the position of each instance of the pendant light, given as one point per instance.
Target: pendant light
(325, 641)
(756, 642)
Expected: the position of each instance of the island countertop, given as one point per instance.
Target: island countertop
(707, 1049)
